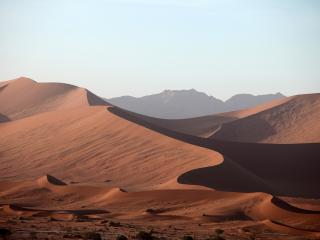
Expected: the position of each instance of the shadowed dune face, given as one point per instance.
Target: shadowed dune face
(282, 169)
(286, 170)
(4, 118)
(48, 179)
(227, 176)
(200, 126)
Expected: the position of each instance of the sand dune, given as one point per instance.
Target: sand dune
(282, 169)
(68, 155)
(85, 138)
(24, 97)
(108, 130)
(206, 126)
(186, 205)
(263, 123)
(289, 122)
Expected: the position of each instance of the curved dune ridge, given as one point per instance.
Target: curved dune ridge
(87, 137)
(282, 169)
(112, 161)
(92, 144)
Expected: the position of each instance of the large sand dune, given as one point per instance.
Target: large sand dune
(283, 169)
(68, 156)
(84, 138)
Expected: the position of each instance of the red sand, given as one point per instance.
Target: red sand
(109, 164)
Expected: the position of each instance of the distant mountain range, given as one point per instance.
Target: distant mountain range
(176, 104)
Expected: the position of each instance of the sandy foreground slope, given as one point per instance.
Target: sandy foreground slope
(111, 165)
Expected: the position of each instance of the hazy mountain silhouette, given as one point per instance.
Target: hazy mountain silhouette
(241, 101)
(188, 103)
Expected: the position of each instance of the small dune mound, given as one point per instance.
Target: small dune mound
(48, 180)
(62, 216)
(111, 194)
(10, 210)
(14, 210)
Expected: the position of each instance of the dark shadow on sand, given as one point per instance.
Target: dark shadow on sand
(279, 169)
(4, 118)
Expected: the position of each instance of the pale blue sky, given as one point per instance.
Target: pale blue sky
(139, 47)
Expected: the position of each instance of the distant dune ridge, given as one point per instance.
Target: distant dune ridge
(295, 121)
(179, 104)
(285, 120)
(71, 155)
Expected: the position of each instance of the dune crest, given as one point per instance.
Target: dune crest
(35, 98)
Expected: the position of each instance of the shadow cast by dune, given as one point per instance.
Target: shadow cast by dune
(4, 118)
(236, 216)
(238, 132)
(65, 211)
(227, 176)
(284, 205)
(281, 169)
(3, 86)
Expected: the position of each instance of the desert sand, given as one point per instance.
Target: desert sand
(288, 122)
(71, 164)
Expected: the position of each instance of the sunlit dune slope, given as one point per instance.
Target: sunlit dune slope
(24, 97)
(79, 142)
(294, 121)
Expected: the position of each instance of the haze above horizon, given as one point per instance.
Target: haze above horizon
(139, 47)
